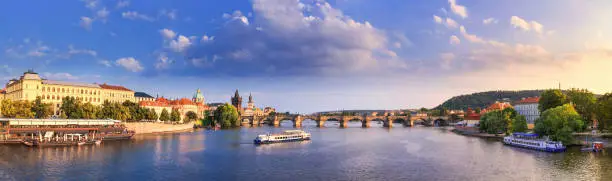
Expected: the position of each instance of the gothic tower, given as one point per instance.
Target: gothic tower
(237, 101)
(251, 104)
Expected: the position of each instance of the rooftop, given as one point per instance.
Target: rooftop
(76, 84)
(529, 100)
(113, 87)
(142, 94)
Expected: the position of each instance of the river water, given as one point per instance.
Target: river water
(353, 153)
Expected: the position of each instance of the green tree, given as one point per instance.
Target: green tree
(107, 111)
(519, 124)
(585, 103)
(164, 116)
(191, 116)
(207, 120)
(152, 115)
(90, 111)
(477, 110)
(72, 107)
(559, 123)
(423, 110)
(122, 113)
(175, 116)
(136, 112)
(227, 116)
(8, 109)
(551, 99)
(603, 112)
(23, 109)
(41, 110)
(493, 122)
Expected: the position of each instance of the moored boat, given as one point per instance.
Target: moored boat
(285, 136)
(532, 141)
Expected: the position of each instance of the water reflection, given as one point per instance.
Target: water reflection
(354, 153)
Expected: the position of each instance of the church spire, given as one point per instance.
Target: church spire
(250, 98)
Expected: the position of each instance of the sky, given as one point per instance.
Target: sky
(313, 55)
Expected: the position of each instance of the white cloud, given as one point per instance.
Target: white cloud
(167, 34)
(133, 15)
(470, 37)
(206, 38)
(237, 15)
(298, 38)
(163, 61)
(102, 14)
(437, 19)
(458, 9)
(450, 23)
(180, 44)
(171, 14)
(86, 22)
(39, 51)
(73, 51)
(122, 4)
(454, 40)
(525, 25)
(129, 63)
(91, 4)
(489, 21)
(476, 39)
(106, 63)
(59, 76)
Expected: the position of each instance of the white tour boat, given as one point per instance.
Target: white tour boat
(531, 141)
(289, 135)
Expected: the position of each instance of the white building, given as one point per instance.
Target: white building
(528, 107)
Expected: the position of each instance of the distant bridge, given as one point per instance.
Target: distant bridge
(343, 120)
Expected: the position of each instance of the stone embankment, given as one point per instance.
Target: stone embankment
(144, 128)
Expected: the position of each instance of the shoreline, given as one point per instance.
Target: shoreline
(577, 140)
(142, 128)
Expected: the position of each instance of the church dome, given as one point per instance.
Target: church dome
(198, 97)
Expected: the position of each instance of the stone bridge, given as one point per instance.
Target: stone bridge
(342, 120)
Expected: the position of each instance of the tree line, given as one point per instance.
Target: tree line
(72, 108)
(561, 114)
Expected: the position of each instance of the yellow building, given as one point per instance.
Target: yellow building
(30, 85)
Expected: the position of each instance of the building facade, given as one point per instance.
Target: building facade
(183, 105)
(141, 96)
(528, 107)
(30, 85)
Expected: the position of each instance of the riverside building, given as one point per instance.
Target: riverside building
(30, 85)
(528, 107)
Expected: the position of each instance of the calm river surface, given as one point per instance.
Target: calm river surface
(353, 153)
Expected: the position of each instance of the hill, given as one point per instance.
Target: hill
(484, 99)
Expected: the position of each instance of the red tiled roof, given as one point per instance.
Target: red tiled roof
(3, 91)
(163, 102)
(498, 106)
(114, 87)
(529, 100)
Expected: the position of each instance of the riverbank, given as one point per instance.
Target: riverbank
(467, 131)
(148, 128)
(474, 132)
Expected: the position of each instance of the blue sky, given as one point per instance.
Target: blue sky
(313, 55)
